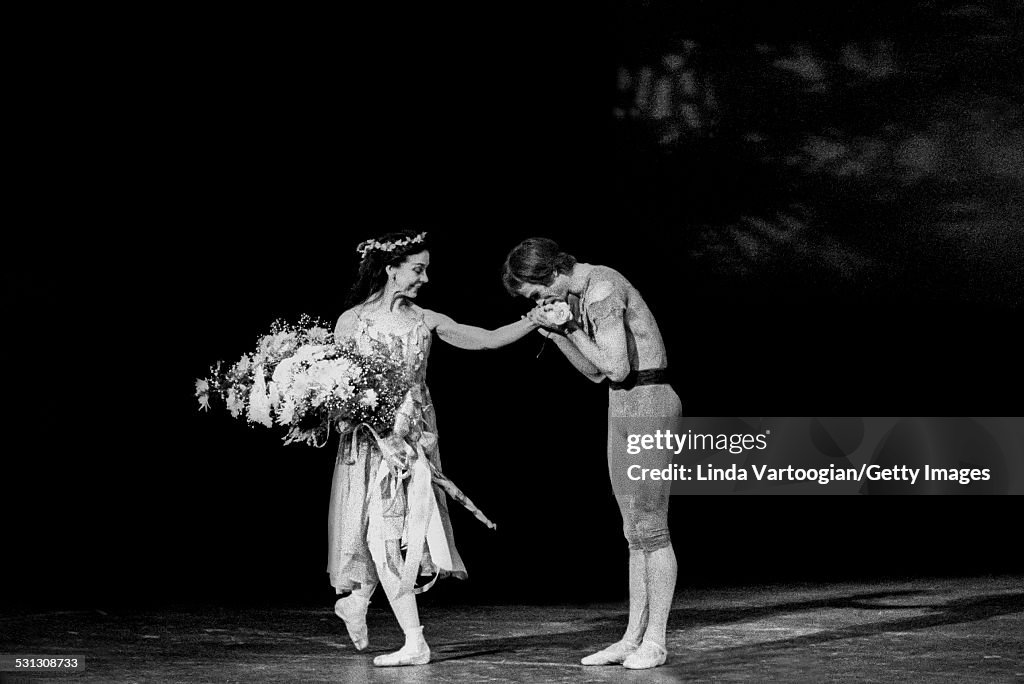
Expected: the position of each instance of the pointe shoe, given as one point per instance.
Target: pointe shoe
(648, 655)
(352, 609)
(613, 655)
(415, 652)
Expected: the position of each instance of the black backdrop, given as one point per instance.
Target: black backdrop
(253, 159)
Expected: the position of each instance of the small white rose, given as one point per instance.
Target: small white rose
(556, 313)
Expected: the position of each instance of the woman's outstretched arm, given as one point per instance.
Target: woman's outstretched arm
(471, 337)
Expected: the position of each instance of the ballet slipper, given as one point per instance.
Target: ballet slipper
(613, 655)
(415, 652)
(352, 609)
(648, 655)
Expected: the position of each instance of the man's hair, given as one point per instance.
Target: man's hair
(534, 261)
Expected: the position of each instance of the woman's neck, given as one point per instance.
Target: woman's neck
(388, 300)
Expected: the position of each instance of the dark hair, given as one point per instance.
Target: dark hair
(534, 260)
(372, 276)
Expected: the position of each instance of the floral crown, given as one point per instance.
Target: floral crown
(367, 246)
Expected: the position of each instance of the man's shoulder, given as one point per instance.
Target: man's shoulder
(604, 282)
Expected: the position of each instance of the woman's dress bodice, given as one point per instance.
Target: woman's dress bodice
(357, 535)
(415, 341)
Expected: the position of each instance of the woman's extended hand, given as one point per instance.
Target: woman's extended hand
(536, 316)
(538, 326)
(553, 316)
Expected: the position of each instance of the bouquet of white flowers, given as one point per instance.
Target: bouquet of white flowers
(301, 379)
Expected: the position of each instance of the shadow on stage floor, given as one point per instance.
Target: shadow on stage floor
(963, 629)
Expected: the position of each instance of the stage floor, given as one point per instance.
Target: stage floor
(957, 630)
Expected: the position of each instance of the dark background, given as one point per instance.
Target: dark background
(825, 218)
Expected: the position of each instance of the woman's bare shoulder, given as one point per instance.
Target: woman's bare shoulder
(349, 314)
(430, 318)
(346, 321)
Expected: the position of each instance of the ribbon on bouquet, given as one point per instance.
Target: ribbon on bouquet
(404, 453)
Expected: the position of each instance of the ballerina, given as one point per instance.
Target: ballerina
(376, 506)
